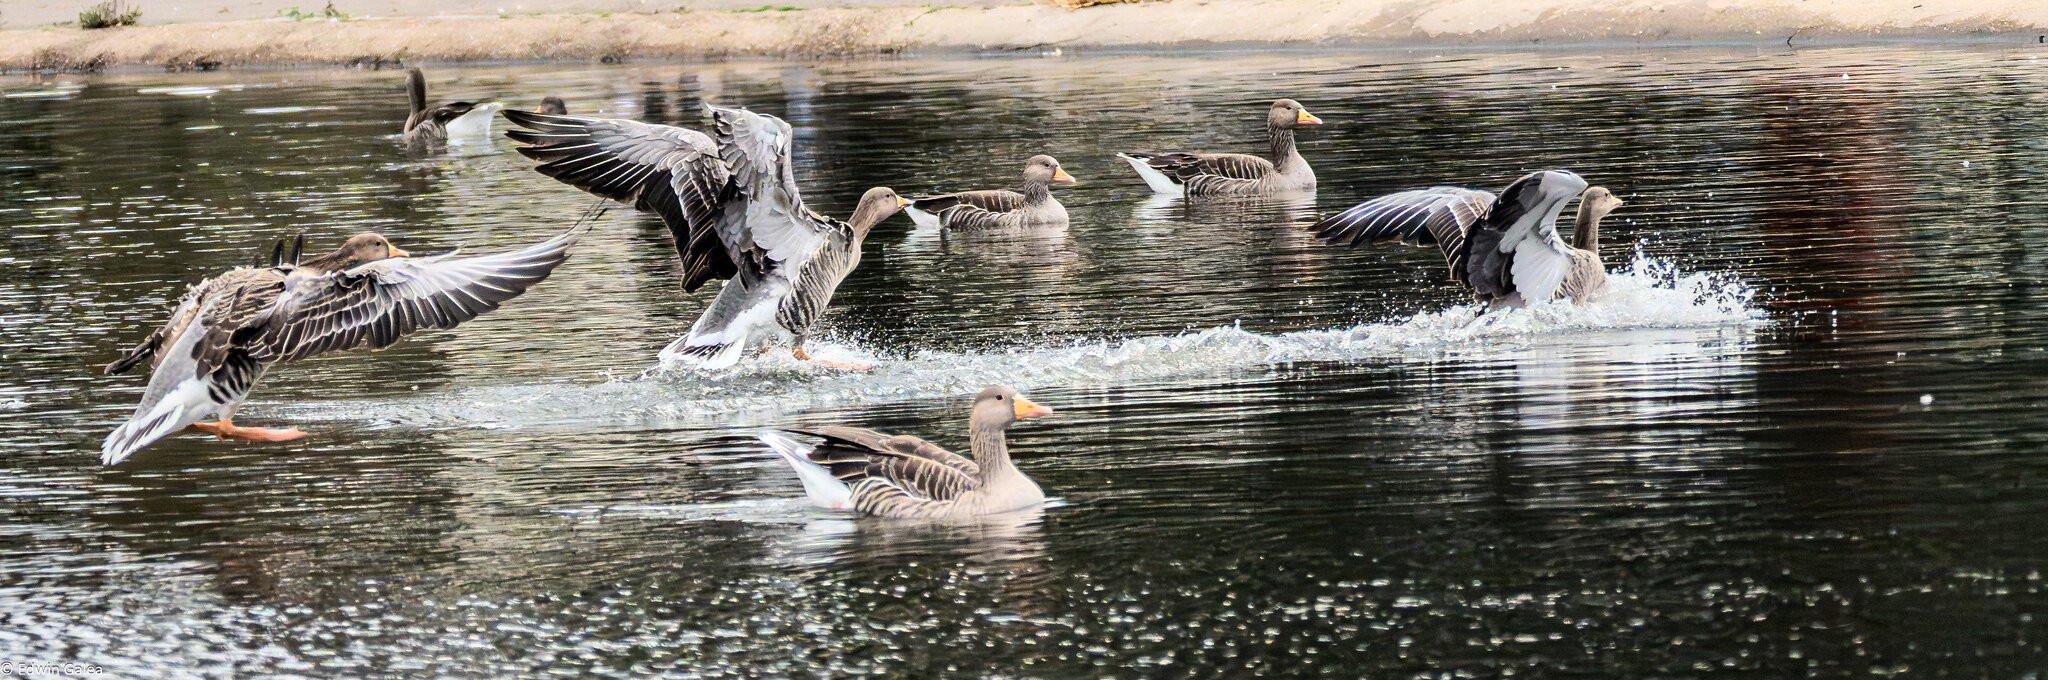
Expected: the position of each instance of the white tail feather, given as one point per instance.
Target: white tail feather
(920, 217)
(475, 125)
(725, 358)
(820, 486)
(1159, 182)
(182, 407)
(679, 352)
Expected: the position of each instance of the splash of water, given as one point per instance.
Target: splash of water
(1649, 294)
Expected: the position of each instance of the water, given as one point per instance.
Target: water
(1802, 436)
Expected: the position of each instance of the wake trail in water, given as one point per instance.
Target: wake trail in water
(1650, 294)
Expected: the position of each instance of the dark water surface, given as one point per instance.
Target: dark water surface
(1803, 435)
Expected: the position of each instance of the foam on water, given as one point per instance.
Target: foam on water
(1649, 294)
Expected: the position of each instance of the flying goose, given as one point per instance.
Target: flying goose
(901, 476)
(458, 120)
(228, 330)
(736, 213)
(1234, 174)
(1505, 248)
(1033, 206)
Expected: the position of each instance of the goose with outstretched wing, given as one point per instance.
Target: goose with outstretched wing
(1032, 205)
(732, 203)
(902, 476)
(228, 330)
(1506, 247)
(1191, 173)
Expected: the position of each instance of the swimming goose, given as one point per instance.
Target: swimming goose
(1033, 206)
(736, 213)
(1505, 248)
(1235, 174)
(228, 330)
(456, 120)
(901, 476)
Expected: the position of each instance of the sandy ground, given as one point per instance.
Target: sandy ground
(207, 32)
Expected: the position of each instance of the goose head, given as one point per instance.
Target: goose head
(1043, 169)
(358, 249)
(879, 203)
(999, 406)
(553, 105)
(1288, 114)
(1598, 201)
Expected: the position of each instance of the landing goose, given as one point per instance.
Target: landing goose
(901, 476)
(457, 120)
(1031, 206)
(1234, 174)
(736, 213)
(228, 330)
(1505, 248)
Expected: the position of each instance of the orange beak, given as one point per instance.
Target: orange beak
(1026, 409)
(395, 252)
(1303, 117)
(1060, 176)
(902, 202)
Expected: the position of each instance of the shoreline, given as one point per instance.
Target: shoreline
(846, 31)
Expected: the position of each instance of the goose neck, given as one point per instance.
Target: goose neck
(991, 450)
(1586, 233)
(1282, 139)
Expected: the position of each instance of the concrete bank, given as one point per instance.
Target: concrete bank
(814, 28)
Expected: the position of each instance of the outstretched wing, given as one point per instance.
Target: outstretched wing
(669, 171)
(912, 464)
(377, 303)
(772, 218)
(1438, 215)
(1516, 249)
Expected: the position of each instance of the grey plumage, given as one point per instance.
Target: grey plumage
(901, 476)
(1506, 247)
(429, 125)
(228, 330)
(1032, 205)
(730, 199)
(1231, 174)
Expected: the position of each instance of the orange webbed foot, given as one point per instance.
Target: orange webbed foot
(224, 429)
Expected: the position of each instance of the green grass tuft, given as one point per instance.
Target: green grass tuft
(108, 15)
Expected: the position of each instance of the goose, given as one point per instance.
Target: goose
(901, 476)
(1032, 206)
(736, 213)
(1506, 247)
(453, 120)
(228, 330)
(1184, 173)
(553, 105)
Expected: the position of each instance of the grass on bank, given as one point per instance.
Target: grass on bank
(108, 15)
(329, 13)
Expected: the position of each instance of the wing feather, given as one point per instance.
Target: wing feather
(774, 219)
(1437, 215)
(910, 463)
(1516, 253)
(378, 303)
(675, 173)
